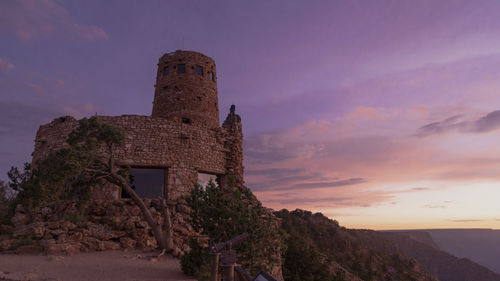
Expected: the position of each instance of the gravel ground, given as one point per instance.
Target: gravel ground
(109, 266)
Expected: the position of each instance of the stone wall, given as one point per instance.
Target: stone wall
(182, 149)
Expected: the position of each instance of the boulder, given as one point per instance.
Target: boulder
(110, 245)
(127, 243)
(61, 239)
(75, 236)
(111, 234)
(181, 208)
(141, 224)
(20, 219)
(66, 225)
(35, 230)
(94, 244)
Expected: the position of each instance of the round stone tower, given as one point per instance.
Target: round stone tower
(186, 89)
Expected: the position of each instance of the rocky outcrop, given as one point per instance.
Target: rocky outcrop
(64, 228)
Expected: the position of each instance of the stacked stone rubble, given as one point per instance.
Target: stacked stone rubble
(64, 228)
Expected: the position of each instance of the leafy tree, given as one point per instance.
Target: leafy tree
(224, 215)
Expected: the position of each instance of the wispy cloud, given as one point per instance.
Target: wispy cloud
(468, 220)
(420, 188)
(353, 199)
(327, 184)
(487, 123)
(31, 20)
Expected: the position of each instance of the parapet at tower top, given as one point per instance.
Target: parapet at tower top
(186, 89)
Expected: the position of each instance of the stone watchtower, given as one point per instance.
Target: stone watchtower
(181, 140)
(186, 89)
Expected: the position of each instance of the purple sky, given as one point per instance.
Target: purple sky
(382, 114)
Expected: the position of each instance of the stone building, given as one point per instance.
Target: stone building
(181, 139)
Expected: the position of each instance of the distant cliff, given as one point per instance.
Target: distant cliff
(479, 245)
(446, 266)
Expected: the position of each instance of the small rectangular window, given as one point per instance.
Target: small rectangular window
(199, 70)
(165, 71)
(181, 68)
(147, 182)
(212, 77)
(186, 120)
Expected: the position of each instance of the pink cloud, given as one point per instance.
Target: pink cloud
(31, 20)
(365, 113)
(5, 66)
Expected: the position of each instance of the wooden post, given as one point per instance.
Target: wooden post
(228, 263)
(228, 274)
(214, 276)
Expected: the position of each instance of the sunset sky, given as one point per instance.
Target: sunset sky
(379, 114)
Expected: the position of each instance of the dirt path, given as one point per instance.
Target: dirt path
(109, 266)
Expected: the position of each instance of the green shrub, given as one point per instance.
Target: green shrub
(224, 215)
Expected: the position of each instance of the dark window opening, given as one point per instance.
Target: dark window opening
(212, 76)
(181, 68)
(192, 67)
(199, 70)
(198, 98)
(186, 120)
(165, 88)
(147, 182)
(165, 71)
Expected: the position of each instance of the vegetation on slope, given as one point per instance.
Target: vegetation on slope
(347, 249)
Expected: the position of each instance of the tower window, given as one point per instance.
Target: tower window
(212, 76)
(199, 70)
(186, 120)
(165, 88)
(181, 68)
(165, 71)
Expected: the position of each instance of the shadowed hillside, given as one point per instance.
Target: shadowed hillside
(446, 266)
(480, 245)
(348, 253)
